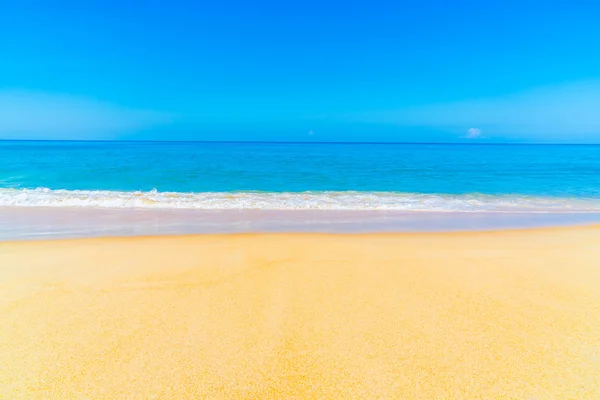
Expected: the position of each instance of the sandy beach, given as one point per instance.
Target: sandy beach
(487, 315)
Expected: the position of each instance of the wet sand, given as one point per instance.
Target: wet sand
(27, 223)
(479, 315)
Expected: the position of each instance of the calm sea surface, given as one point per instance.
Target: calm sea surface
(407, 177)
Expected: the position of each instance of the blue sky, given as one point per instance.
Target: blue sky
(427, 71)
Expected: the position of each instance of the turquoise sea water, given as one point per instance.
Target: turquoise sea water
(195, 175)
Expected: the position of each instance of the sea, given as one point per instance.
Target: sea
(82, 188)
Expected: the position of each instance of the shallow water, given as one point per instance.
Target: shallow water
(47, 223)
(72, 189)
(424, 177)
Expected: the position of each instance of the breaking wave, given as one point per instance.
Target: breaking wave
(44, 197)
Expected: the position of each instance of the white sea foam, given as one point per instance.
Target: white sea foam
(43, 197)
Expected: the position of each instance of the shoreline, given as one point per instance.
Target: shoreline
(356, 234)
(497, 314)
(21, 223)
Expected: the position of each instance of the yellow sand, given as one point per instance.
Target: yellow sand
(499, 315)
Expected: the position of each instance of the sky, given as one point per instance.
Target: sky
(374, 71)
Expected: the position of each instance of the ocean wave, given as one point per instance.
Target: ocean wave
(43, 197)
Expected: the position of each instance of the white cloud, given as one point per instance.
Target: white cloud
(556, 113)
(473, 133)
(34, 115)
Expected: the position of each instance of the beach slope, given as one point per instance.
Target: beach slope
(488, 315)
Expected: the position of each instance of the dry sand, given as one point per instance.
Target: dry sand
(495, 315)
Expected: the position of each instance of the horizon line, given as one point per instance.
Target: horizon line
(298, 142)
